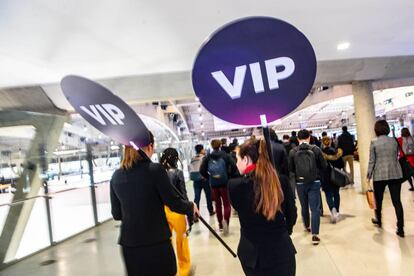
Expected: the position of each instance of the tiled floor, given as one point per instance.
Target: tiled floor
(351, 247)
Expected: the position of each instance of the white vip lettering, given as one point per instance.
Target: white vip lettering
(234, 89)
(111, 112)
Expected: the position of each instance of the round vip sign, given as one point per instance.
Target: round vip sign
(105, 111)
(253, 67)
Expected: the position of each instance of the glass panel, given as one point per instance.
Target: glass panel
(36, 233)
(103, 201)
(71, 212)
(4, 210)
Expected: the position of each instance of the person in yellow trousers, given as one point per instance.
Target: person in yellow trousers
(177, 222)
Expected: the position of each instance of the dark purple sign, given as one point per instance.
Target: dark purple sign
(252, 67)
(105, 111)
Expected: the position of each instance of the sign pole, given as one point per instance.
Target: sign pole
(266, 134)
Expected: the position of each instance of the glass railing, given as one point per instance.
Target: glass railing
(71, 212)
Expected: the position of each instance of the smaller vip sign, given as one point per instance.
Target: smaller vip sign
(105, 111)
(252, 68)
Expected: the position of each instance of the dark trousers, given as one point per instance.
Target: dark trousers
(332, 197)
(310, 196)
(198, 187)
(154, 260)
(395, 190)
(221, 199)
(280, 269)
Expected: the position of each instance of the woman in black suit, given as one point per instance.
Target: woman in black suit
(267, 213)
(139, 191)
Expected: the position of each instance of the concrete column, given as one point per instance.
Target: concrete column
(365, 120)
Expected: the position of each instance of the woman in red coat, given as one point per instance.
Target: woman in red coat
(406, 142)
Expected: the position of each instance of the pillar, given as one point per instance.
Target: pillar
(365, 120)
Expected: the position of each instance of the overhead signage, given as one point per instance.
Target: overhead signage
(253, 68)
(105, 111)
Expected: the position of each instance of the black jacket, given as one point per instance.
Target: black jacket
(230, 164)
(263, 243)
(138, 196)
(280, 158)
(177, 179)
(320, 161)
(346, 143)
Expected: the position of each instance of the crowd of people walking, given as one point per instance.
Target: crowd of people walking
(260, 186)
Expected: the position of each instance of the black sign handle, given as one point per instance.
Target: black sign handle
(215, 234)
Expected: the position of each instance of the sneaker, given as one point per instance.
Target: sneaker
(400, 233)
(307, 229)
(334, 215)
(212, 213)
(225, 227)
(376, 222)
(315, 240)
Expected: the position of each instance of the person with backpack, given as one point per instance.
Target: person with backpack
(199, 182)
(267, 213)
(176, 221)
(306, 163)
(346, 143)
(334, 158)
(218, 167)
(406, 142)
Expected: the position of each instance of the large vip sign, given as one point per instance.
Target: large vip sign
(253, 67)
(105, 111)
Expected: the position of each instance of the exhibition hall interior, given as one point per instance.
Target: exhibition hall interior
(197, 73)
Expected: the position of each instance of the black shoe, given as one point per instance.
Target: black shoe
(315, 240)
(411, 189)
(376, 222)
(195, 220)
(212, 213)
(400, 233)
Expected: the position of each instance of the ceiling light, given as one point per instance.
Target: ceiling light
(199, 109)
(244, 130)
(197, 99)
(202, 126)
(203, 133)
(343, 46)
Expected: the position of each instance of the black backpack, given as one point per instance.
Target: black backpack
(305, 164)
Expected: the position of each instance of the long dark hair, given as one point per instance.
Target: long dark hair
(267, 189)
(405, 132)
(170, 158)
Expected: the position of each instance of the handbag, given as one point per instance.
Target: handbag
(371, 198)
(406, 168)
(339, 177)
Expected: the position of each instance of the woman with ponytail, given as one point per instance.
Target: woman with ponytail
(176, 221)
(267, 213)
(139, 191)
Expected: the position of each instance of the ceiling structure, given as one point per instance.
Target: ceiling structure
(144, 50)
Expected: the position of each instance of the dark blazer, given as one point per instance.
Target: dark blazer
(346, 143)
(263, 243)
(138, 196)
(280, 158)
